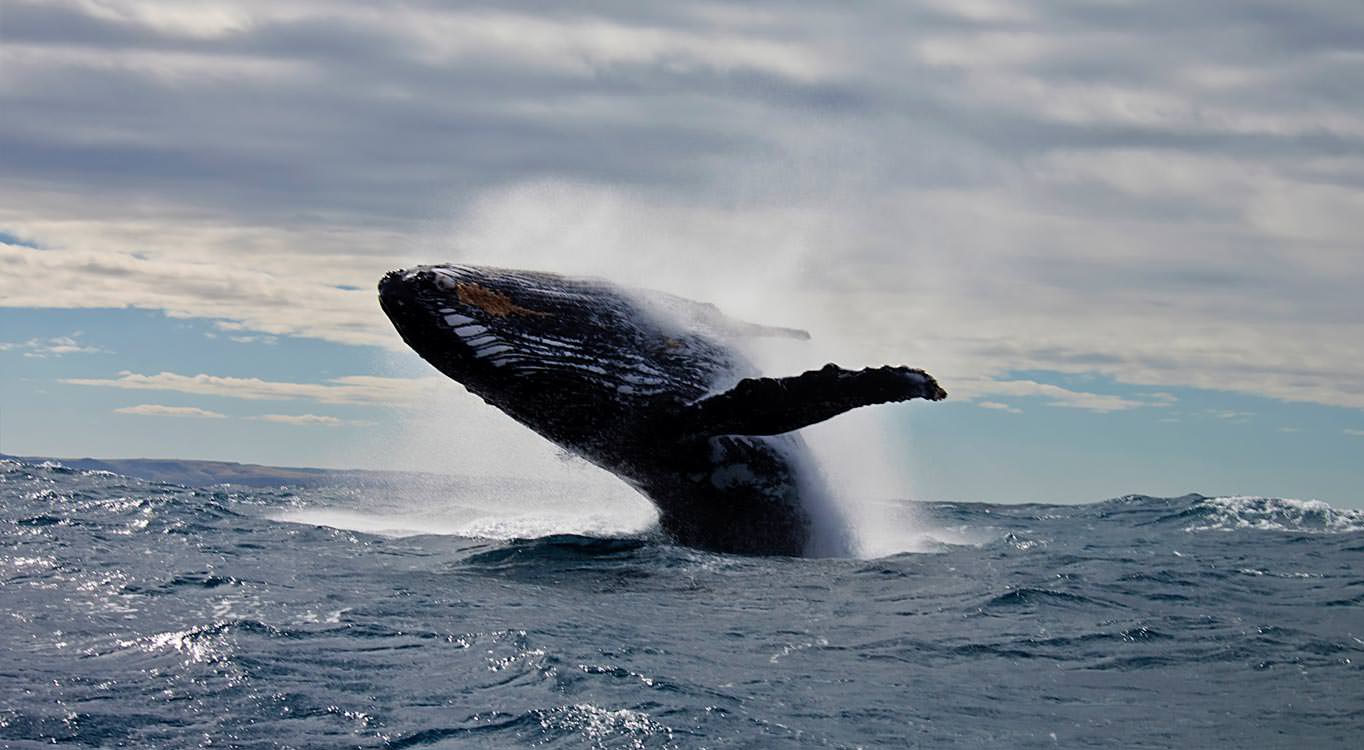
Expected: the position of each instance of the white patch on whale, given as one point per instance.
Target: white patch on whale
(491, 350)
(553, 343)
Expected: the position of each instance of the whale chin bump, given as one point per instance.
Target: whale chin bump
(649, 387)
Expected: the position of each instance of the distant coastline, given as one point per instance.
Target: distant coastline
(196, 473)
(202, 473)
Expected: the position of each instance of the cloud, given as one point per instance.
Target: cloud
(271, 340)
(1056, 395)
(1161, 193)
(254, 299)
(351, 389)
(999, 406)
(1354, 432)
(159, 410)
(56, 347)
(52, 347)
(307, 420)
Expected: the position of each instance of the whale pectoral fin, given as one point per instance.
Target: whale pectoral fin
(770, 406)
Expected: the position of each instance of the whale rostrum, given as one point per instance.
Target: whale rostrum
(650, 387)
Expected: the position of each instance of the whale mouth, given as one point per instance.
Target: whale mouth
(389, 279)
(407, 285)
(424, 291)
(464, 319)
(401, 301)
(396, 291)
(428, 308)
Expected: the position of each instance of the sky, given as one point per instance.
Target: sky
(1125, 236)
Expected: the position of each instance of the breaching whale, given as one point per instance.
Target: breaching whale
(648, 386)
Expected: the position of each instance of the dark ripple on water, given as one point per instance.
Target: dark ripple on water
(152, 615)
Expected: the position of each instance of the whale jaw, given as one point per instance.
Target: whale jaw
(456, 319)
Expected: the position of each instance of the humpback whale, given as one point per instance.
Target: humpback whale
(648, 386)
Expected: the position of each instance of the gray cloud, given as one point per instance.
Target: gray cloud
(1165, 193)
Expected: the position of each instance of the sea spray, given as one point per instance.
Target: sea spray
(860, 457)
(581, 230)
(486, 475)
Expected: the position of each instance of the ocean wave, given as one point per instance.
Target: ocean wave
(1274, 514)
(594, 725)
(140, 614)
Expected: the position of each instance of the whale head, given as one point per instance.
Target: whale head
(471, 323)
(519, 337)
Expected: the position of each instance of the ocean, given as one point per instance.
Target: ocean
(152, 614)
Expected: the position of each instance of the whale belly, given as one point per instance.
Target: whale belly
(738, 494)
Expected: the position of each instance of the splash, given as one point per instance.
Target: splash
(860, 456)
(439, 519)
(497, 480)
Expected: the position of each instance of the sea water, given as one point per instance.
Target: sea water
(140, 614)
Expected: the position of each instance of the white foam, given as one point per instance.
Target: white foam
(379, 524)
(470, 523)
(1277, 514)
